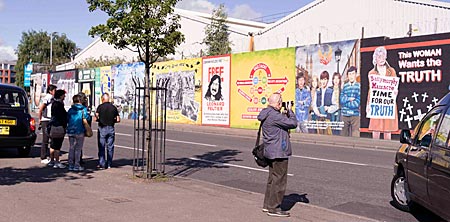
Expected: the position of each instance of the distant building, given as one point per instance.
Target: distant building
(193, 26)
(7, 72)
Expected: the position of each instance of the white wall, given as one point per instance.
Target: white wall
(343, 19)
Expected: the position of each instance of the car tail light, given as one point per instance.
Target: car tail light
(32, 124)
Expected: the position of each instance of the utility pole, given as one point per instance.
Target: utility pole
(51, 49)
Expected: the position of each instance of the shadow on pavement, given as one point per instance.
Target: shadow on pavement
(214, 159)
(290, 200)
(31, 171)
(422, 214)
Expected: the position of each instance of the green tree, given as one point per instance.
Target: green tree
(35, 46)
(216, 34)
(94, 63)
(148, 27)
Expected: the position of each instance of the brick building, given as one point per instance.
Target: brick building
(7, 72)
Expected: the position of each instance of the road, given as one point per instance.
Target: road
(351, 180)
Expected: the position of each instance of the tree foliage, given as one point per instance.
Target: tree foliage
(148, 27)
(216, 33)
(102, 61)
(35, 46)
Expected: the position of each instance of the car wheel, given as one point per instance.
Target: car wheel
(24, 151)
(399, 193)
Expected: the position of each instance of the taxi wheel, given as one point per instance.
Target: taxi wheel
(399, 193)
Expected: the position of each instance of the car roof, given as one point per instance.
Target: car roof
(445, 100)
(11, 87)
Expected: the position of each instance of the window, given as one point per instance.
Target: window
(443, 133)
(427, 130)
(12, 99)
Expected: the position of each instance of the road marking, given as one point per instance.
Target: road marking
(232, 165)
(328, 160)
(194, 143)
(175, 141)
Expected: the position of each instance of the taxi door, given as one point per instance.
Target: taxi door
(439, 170)
(418, 157)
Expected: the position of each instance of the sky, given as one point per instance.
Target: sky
(73, 18)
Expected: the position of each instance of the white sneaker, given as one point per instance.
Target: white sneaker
(45, 161)
(59, 165)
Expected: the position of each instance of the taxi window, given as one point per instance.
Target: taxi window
(442, 135)
(428, 130)
(12, 99)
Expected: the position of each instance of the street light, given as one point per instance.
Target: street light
(51, 49)
(337, 56)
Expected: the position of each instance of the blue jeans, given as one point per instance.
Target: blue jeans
(105, 135)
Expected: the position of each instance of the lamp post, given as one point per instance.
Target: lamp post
(51, 49)
(337, 56)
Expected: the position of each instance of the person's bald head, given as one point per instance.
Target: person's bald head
(275, 101)
(105, 97)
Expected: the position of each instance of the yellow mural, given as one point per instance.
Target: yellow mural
(254, 77)
(183, 79)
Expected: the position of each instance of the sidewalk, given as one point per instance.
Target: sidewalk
(30, 191)
(33, 192)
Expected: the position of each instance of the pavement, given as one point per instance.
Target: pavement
(30, 191)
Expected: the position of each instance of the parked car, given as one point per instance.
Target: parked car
(17, 127)
(422, 164)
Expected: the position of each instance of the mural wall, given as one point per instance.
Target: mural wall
(401, 79)
(103, 83)
(124, 93)
(65, 80)
(254, 77)
(371, 87)
(183, 79)
(216, 90)
(323, 102)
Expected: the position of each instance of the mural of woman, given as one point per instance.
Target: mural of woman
(336, 115)
(381, 67)
(214, 92)
(314, 112)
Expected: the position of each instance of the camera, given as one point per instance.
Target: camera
(285, 104)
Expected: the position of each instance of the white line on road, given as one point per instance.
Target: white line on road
(201, 144)
(233, 165)
(328, 160)
(175, 141)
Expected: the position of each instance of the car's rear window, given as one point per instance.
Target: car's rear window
(12, 99)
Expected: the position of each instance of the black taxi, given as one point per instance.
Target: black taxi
(17, 127)
(422, 163)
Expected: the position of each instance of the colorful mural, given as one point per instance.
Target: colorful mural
(255, 76)
(321, 79)
(183, 79)
(216, 90)
(124, 88)
(103, 83)
(417, 65)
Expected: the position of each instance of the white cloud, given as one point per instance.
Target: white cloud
(196, 5)
(244, 11)
(7, 53)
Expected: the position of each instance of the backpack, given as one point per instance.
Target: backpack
(47, 112)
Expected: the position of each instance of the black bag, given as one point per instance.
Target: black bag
(258, 151)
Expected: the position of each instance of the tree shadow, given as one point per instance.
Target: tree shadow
(214, 159)
(33, 172)
(290, 200)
